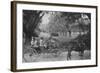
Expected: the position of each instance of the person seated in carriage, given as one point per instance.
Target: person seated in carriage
(34, 42)
(34, 45)
(41, 42)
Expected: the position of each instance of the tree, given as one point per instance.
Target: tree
(84, 22)
(70, 18)
(57, 23)
(80, 20)
(30, 22)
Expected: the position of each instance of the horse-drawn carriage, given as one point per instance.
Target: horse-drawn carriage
(42, 46)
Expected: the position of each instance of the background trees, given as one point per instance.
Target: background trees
(69, 22)
(53, 22)
(31, 19)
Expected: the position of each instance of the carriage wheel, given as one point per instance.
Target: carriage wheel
(30, 55)
(56, 52)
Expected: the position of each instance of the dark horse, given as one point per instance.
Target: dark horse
(76, 46)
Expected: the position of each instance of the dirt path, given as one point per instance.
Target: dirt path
(51, 57)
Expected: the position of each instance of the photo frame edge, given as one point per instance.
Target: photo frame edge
(14, 34)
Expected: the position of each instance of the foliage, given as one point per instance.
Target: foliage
(82, 42)
(68, 22)
(57, 22)
(31, 20)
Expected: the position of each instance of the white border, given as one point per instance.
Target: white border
(21, 65)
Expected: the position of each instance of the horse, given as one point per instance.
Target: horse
(76, 46)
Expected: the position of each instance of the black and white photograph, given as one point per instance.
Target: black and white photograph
(56, 36)
(53, 36)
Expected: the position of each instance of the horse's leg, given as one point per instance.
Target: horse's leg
(82, 54)
(79, 52)
(69, 55)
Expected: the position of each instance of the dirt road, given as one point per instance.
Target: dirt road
(52, 57)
